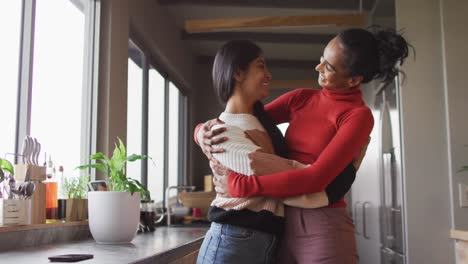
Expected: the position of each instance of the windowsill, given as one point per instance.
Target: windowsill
(57, 224)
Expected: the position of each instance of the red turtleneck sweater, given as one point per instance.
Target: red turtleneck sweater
(327, 129)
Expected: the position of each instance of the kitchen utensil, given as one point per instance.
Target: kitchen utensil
(31, 150)
(28, 189)
(25, 190)
(27, 176)
(35, 151)
(14, 192)
(38, 151)
(11, 185)
(21, 190)
(25, 150)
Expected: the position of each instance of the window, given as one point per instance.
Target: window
(155, 105)
(10, 14)
(57, 84)
(47, 83)
(174, 135)
(134, 110)
(156, 134)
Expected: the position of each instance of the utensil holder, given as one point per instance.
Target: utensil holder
(38, 204)
(15, 212)
(36, 173)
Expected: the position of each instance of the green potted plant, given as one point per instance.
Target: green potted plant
(76, 202)
(5, 166)
(114, 214)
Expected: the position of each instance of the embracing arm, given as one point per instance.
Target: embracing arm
(351, 136)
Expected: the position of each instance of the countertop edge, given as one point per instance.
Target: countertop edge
(459, 234)
(173, 253)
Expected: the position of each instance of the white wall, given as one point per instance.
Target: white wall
(112, 91)
(455, 37)
(425, 149)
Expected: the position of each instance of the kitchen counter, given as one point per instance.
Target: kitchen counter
(165, 245)
(459, 234)
(461, 245)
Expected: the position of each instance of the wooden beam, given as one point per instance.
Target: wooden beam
(277, 63)
(302, 4)
(321, 39)
(292, 84)
(238, 24)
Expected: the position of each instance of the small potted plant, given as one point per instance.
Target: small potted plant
(5, 166)
(76, 202)
(114, 214)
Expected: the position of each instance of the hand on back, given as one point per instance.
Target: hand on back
(207, 138)
(261, 139)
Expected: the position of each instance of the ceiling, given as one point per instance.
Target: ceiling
(286, 43)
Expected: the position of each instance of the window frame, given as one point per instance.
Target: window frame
(150, 62)
(90, 77)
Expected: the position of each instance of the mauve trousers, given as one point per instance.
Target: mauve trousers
(318, 236)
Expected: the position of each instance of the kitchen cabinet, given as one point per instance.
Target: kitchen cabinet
(190, 258)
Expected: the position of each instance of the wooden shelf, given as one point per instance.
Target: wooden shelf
(49, 224)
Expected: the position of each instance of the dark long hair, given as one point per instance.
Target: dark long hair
(373, 53)
(233, 56)
(277, 138)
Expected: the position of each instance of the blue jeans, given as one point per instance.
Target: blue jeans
(226, 244)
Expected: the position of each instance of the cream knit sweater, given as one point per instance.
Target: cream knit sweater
(235, 158)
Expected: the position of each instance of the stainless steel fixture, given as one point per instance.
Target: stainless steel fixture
(168, 209)
(377, 195)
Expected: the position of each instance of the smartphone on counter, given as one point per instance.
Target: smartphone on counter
(70, 257)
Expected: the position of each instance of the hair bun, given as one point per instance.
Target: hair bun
(392, 49)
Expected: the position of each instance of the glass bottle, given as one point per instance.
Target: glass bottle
(62, 195)
(51, 192)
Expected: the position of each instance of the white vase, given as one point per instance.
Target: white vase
(113, 216)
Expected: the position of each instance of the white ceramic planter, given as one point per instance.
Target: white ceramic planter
(113, 216)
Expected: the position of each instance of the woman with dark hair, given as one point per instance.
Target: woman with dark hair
(247, 229)
(327, 128)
